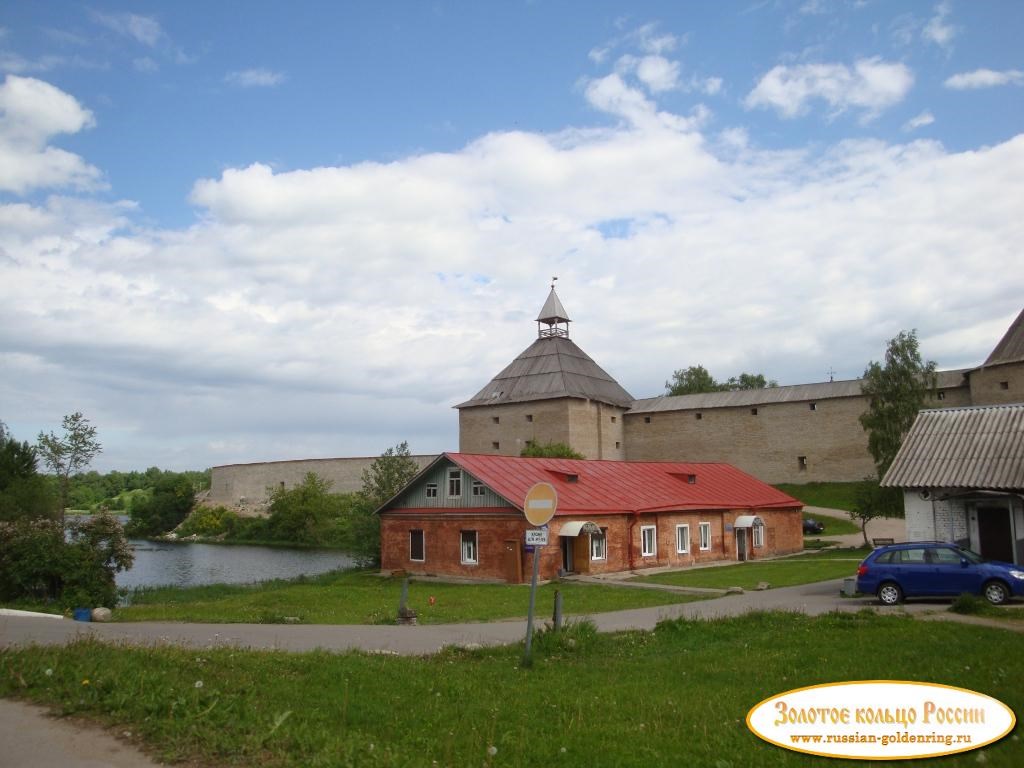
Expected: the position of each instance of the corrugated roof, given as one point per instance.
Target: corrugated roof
(1010, 348)
(605, 487)
(977, 447)
(551, 367)
(789, 394)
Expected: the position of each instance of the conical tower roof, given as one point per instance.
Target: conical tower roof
(552, 367)
(1010, 348)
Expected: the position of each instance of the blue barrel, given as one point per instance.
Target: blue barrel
(82, 614)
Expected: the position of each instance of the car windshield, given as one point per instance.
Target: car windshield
(971, 557)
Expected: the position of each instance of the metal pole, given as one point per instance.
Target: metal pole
(527, 661)
(557, 618)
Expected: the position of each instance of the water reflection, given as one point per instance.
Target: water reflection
(187, 564)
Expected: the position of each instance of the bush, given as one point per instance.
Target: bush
(209, 521)
(172, 500)
(73, 565)
(969, 604)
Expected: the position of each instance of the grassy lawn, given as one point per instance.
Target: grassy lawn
(354, 597)
(833, 564)
(832, 495)
(677, 696)
(834, 526)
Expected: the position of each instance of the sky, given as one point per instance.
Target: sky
(253, 231)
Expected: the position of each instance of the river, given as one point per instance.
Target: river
(187, 564)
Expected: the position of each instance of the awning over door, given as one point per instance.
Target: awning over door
(747, 521)
(576, 527)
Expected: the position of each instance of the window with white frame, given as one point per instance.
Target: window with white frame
(431, 490)
(682, 539)
(705, 535)
(648, 541)
(417, 552)
(599, 545)
(469, 547)
(454, 483)
(758, 535)
(478, 488)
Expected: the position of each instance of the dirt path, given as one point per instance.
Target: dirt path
(882, 527)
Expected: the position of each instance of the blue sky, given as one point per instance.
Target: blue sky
(238, 231)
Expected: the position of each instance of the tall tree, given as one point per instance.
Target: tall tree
(69, 453)
(550, 451)
(696, 379)
(690, 381)
(896, 391)
(389, 473)
(23, 492)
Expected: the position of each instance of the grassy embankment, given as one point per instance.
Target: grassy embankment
(831, 495)
(361, 597)
(786, 572)
(677, 696)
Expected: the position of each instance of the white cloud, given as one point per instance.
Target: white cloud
(31, 113)
(656, 72)
(919, 121)
(871, 85)
(145, 64)
(255, 78)
(338, 310)
(985, 78)
(142, 29)
(937, 30)
(813, 8)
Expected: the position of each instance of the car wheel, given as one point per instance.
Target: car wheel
(890, 593)
(996, 592)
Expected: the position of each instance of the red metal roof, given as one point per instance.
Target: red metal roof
(624, 486)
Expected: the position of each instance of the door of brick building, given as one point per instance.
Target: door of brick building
(994, 538)
(512, 562)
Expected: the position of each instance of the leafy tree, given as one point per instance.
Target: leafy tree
(389, 473)
(691, 381)
(870, 500)
(697, 379)
(550, 451)
(305, 514)
(171, 501)
(896, 391)
(23, 491)
(70, 452)
(74, 565)
(749, 381)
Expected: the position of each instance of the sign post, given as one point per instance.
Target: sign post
(539, 507)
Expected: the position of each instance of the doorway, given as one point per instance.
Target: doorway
(994, 539)
(512, 562)
(741, 544)
(567, 547)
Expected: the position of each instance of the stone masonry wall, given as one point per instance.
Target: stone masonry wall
(987, 384)
(244, 486)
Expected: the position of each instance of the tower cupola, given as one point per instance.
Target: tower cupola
(554, 316)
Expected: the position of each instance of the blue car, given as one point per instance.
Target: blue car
(936, 569)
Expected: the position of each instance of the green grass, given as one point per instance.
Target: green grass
(361, 597)
(677, 696)
(834, 526)
(831, 495)
(787, 572)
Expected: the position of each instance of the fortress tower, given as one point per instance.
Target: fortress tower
(551, 393)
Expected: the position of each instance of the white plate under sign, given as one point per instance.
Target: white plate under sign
(536, 537)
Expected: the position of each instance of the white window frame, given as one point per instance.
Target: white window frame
(685, 549)
(653, 551)
(423, 545)
(478, 488)
(455, 481)
(431, 490)
(469, 551)
(705, 527)
(599, 545)
(758, 536)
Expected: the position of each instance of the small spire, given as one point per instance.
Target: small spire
(553, 315)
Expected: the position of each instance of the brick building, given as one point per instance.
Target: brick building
(463, 516)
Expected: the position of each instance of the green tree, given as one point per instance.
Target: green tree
(691, 381)
(896, 391)
(871, 500)
(305, 514)
(550, 451)
(23, 491)
(170, 502)
(749, 381)
(68, 453)
(389, 473)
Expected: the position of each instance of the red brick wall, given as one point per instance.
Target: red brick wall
(783, 534)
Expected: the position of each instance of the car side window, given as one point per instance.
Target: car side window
(885, 558)
(912, 556)
(945, 556)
